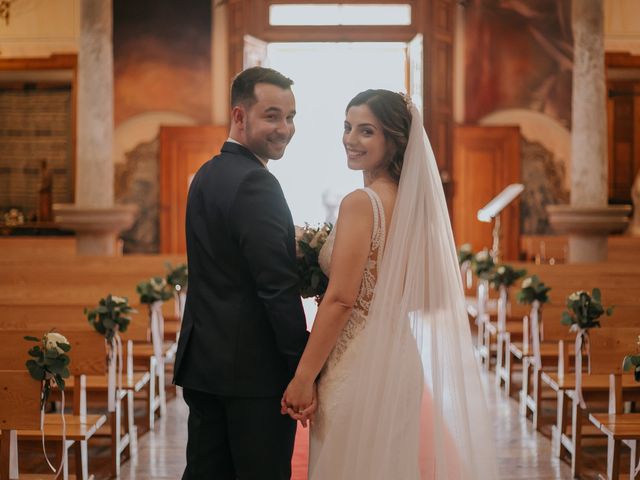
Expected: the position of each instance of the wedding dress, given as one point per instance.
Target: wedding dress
(337, 368)
(400, 396)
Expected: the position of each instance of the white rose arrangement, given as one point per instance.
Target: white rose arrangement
(110, 316)
(584, 310)
(465, 254)
(49, 362)
(505, 275)
(483, 265)
(153, 290)
(533, 289)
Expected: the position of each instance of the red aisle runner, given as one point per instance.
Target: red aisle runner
(300, 455)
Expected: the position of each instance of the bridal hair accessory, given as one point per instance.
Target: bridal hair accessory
(407, 99)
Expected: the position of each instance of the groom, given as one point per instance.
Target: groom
(244, 328)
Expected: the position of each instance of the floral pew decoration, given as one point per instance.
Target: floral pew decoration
(153, 293)
(178, 278)
(483, 266)
(583, 313)
(309, 242)
(535, 293)
(632, 362)
(50, 366)
(465, 258)
(501, 279)
(109, 318)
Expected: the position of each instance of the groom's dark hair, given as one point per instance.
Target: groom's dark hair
(243, 86)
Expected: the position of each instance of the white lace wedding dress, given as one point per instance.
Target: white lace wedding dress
(403, 440)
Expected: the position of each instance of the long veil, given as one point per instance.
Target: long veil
(417, 312)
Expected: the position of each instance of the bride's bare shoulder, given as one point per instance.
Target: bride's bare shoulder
(356, 202)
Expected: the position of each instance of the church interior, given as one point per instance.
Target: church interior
(108, 108)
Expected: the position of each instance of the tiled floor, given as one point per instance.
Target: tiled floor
(522, 453)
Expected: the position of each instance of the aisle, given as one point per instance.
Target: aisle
(524, 454)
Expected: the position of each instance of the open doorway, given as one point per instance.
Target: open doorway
(313, 173)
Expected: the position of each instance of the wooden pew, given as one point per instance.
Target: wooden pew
(81, 282)
(72, 317)
(619, 427)
(87, 357)
(619, 284)
(608, 347)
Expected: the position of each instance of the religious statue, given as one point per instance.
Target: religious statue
(45, 193)
(634, 228)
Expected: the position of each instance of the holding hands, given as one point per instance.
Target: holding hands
(300, 400)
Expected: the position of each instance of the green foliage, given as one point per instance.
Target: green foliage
(177, 276)
(505, 275)
(309, 242)
(465, 254)
(110, 316)
(632, 362)
(533, 289)
(483, 265)
(49, 361)
(584, 310)
(153, 290)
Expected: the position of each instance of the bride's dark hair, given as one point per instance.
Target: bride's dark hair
(391, 109)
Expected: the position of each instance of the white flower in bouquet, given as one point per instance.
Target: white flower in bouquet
(501, 270)
(52, 339)
(118, 300)
(526, 283)
(466, 248)
(482, 256)
(575, 295)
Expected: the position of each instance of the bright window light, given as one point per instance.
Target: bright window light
(339, 14)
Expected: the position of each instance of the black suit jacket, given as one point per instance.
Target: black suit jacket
(244, 329)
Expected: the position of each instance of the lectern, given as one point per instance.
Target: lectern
(491, 212)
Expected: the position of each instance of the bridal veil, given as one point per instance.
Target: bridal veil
(418, 310)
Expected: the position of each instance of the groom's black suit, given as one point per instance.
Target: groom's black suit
(244, 329)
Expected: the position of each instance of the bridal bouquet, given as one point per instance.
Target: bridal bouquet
(309, 241)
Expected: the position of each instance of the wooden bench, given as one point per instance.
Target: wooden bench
(38, 286)
(608, 347)
(87, 358)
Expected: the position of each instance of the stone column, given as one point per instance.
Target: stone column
(94, 217)
(588, 219)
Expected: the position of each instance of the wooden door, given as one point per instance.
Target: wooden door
(623, 105)
(182, 151)
(485, 161)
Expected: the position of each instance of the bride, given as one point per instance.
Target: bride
(399, 395)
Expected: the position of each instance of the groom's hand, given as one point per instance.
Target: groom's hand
(300, 401)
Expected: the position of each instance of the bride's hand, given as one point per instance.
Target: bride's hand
(299, 400)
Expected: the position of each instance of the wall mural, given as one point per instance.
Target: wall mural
(162, 69)
(518, 55)
(543, 177)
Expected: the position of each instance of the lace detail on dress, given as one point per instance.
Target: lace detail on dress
(335, 372)
(360, 310)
